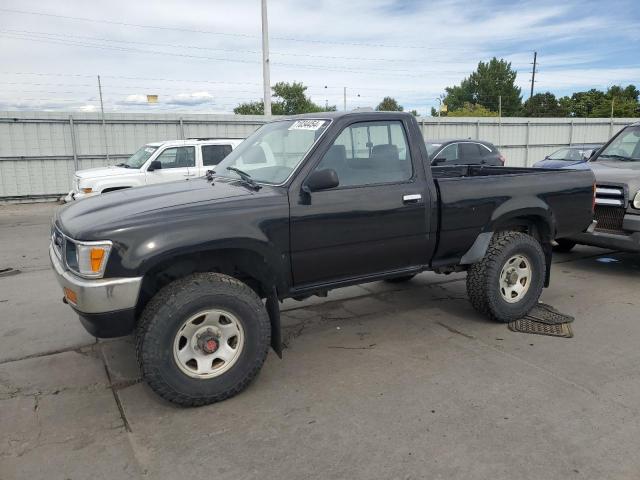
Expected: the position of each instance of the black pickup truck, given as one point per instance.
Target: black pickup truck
(306, 204)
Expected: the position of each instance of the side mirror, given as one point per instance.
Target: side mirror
(155, 165)
(321, 180)
(437, 161)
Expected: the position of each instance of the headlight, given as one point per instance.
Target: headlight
(636, 201)
(88, 259)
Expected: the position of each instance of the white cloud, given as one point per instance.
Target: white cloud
(409, 49)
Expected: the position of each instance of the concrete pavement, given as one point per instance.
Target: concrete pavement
(377, 381)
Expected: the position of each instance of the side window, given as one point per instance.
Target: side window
(177, 157)
(213, 154)
(449, 154)
(369, 153)
(469, 152)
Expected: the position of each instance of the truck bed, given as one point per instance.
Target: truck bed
(472, 197)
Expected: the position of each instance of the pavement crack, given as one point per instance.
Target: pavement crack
(458, 332)
(370, 347)
(116, 397)
(83, 350)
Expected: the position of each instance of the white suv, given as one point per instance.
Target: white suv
(157, 162)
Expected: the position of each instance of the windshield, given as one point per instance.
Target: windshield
(569, 154)
(138, 159)
(624, 147)
(272, 152)
(432, 147)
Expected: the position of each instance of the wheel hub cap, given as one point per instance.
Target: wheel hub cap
(208, 343)
(515, 278)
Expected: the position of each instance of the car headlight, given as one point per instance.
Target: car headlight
(87, 259)
(636, 201)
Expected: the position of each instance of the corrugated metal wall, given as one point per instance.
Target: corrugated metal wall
(39, 151)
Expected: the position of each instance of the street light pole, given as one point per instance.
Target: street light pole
(265, 60)
(104, 124)
(344, 99)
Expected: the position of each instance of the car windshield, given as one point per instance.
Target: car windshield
(138, 159)
(624, 147)
(432, 147)
(568, 154)
(274, 151)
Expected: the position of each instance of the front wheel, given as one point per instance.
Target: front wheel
(506, 284)
(202, 339)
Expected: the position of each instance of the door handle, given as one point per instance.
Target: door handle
(189, 174)
(412, 198)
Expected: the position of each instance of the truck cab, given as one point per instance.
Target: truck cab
(156, 162)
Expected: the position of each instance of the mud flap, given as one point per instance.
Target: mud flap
(547, 248)
(273, 309)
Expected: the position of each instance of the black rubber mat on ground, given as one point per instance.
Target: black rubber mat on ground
(525, 325)
(544, 320)
(544, 313)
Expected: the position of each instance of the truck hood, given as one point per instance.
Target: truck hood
(627, 173)
(101, 172)
(90, 218)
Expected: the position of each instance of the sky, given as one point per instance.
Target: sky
(205, 55)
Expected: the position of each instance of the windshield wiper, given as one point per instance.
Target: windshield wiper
(245, 177)
(617, 157)
(122, 165)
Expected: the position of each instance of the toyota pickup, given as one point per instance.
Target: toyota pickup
(197, 268)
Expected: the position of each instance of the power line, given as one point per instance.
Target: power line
(197, 47)
(402, 73)
(208, 32)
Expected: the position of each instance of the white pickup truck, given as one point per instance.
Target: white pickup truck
(157, 162)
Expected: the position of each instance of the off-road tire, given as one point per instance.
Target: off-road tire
(402, 279)
(165, 313)
(483, 278)
(563, 245)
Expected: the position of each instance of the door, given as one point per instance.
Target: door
(176, 163)
(374, 221)
(470, 153)
(212, 155)
(447, 156)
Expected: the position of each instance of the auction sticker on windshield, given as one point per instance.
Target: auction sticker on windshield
(306, 125)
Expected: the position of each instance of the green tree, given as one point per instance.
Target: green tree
(472, 110)
(389, 104)
(596, 103)
(289, 99)
(543, 105)
(491, 80)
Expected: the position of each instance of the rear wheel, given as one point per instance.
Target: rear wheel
(563, 245)
(506, 284)
(202, 339)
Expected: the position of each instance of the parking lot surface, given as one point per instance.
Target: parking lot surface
(377, 381)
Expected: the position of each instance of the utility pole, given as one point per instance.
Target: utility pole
(344, 99)
(265, 60)
(499, 120)
(104, 124)
(612, 101)
(533, 72)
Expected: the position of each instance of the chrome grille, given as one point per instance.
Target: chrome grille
(57, 241)
(611, 195)
(609, 218)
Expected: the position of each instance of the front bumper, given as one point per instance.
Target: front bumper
(73, 195)
(106, 306)
(629, 241)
